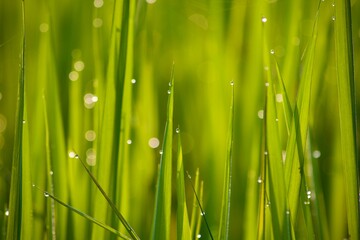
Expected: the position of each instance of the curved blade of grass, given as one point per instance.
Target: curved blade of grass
(226, 199)
(195, 206)
(276, 184)
(93, 220)
(112, 205)
(162, 214)
(15, 201)
(51, 206)
(183, 225)
(347, 111)
(202, 214)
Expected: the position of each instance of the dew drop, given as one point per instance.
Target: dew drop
(267, 204)
(7, 213)
(24, 121)
(98, 3)
(276, 119)
(150, 1)
(46, 194)
(279, 97)
(333, 18)
(177, 130)
(267, 84)
(170, 84)
(133, 81)
(72, 154)
(79, 66)
(129, 141)
(161, 152)
(73, 76)
(308, 192)
(265, 153)
(154, 142)
(264, 19)
(90, 135)
(97, 22)
(44, 27)
(287, 212)
(232, 83)
(76, 156)
(307, 202)
(202, 213)
(259, 180)
(316, 154)
(51, 173)
(261, 114)
(333, 4)
(33, 185)
(198, 236)
(169, 91)
(272, 51)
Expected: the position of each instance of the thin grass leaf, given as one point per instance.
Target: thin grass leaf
(202, 214)
(195, 206)
(347, 112)
(51, 205)
(84, 215)
(162, 214)
(183, 225)
(112, 205)
(294, 161)
(16, 201)
(226, 198)
(276, 185)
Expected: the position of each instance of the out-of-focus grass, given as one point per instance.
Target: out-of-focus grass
(103, 70)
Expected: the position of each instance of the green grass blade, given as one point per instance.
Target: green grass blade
(112, 205)
(195, 206)
(84, 215)
(276, 184)
(202, 214)
(162, 214)
(347, 112)
(294, 161)
(226, 198)
(15, 201)
(183, 225)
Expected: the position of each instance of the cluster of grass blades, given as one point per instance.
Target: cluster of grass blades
(93, 81)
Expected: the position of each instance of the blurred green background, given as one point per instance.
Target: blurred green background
(211, 42)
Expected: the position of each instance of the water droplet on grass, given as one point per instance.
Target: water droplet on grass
(161, 152)
(44, 27)
(129, 141)
(73, 75)
(169, 91)
(232, 83)
(97, 22)
(72, 154)
(133, 81)
(333, 18)
(307, 202)
(90, 135)
(177, 130)
(261, 114)
(79, 66)
(287, 212)
(279, 97)
(202, 213)
(154, 142)
(267, 84)
(272, 51)
(7, 213)
(265, 153)
(46, 194)
(264, 19)
(76, 156)
(198, 236)
(51, 173)
(150, 1)
(98, 3)
(316, 154)
(24, 121)
(259, 180)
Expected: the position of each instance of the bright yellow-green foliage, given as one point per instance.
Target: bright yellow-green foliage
(106, 82)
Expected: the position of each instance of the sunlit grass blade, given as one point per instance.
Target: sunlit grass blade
(51, 205)
(202, 214)
(112, 205)
(183, 225)
(84, 215)
(195, 206)
(16, 201)
(111, 109)
(347, 111)
(162, 213)
(295, 147)
(226, 198)
(26, 193)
